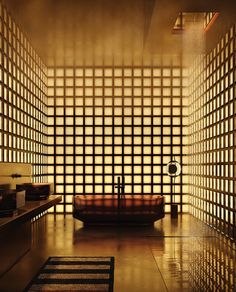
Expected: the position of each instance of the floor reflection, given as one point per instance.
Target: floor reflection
(117, 231)
(196, 263)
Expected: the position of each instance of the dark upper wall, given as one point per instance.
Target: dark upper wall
(126, 32)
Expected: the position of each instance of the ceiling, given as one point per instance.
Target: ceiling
(105, 32)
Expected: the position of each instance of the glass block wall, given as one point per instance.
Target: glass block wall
(212, 136)
(106, 122)
(23, 104)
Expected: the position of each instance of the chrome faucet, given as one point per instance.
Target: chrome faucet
(120, 186)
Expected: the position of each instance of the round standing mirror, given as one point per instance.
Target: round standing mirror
(173, 168)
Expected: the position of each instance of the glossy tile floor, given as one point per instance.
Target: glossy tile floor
(174, 255)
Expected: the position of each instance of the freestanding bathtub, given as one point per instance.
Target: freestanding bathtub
(110, 209)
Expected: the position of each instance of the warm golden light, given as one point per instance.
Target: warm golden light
(211, 176)
(122, 126)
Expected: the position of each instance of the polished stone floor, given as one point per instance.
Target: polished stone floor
(174, 255)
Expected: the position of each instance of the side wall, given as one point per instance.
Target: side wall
(212, 136)
(23, 100)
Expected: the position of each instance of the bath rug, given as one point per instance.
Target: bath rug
(81, 274)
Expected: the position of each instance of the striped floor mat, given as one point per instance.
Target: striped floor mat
(82, 274)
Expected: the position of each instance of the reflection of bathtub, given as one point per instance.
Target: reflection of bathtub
(139, 209)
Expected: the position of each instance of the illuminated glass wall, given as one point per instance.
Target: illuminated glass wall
(23, 104)
(116, 121)
(212, 136)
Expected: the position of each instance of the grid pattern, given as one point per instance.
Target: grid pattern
(212, 136)
(23, 104)
(117, 121)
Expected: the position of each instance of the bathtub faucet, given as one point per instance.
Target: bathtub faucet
(120, 186)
